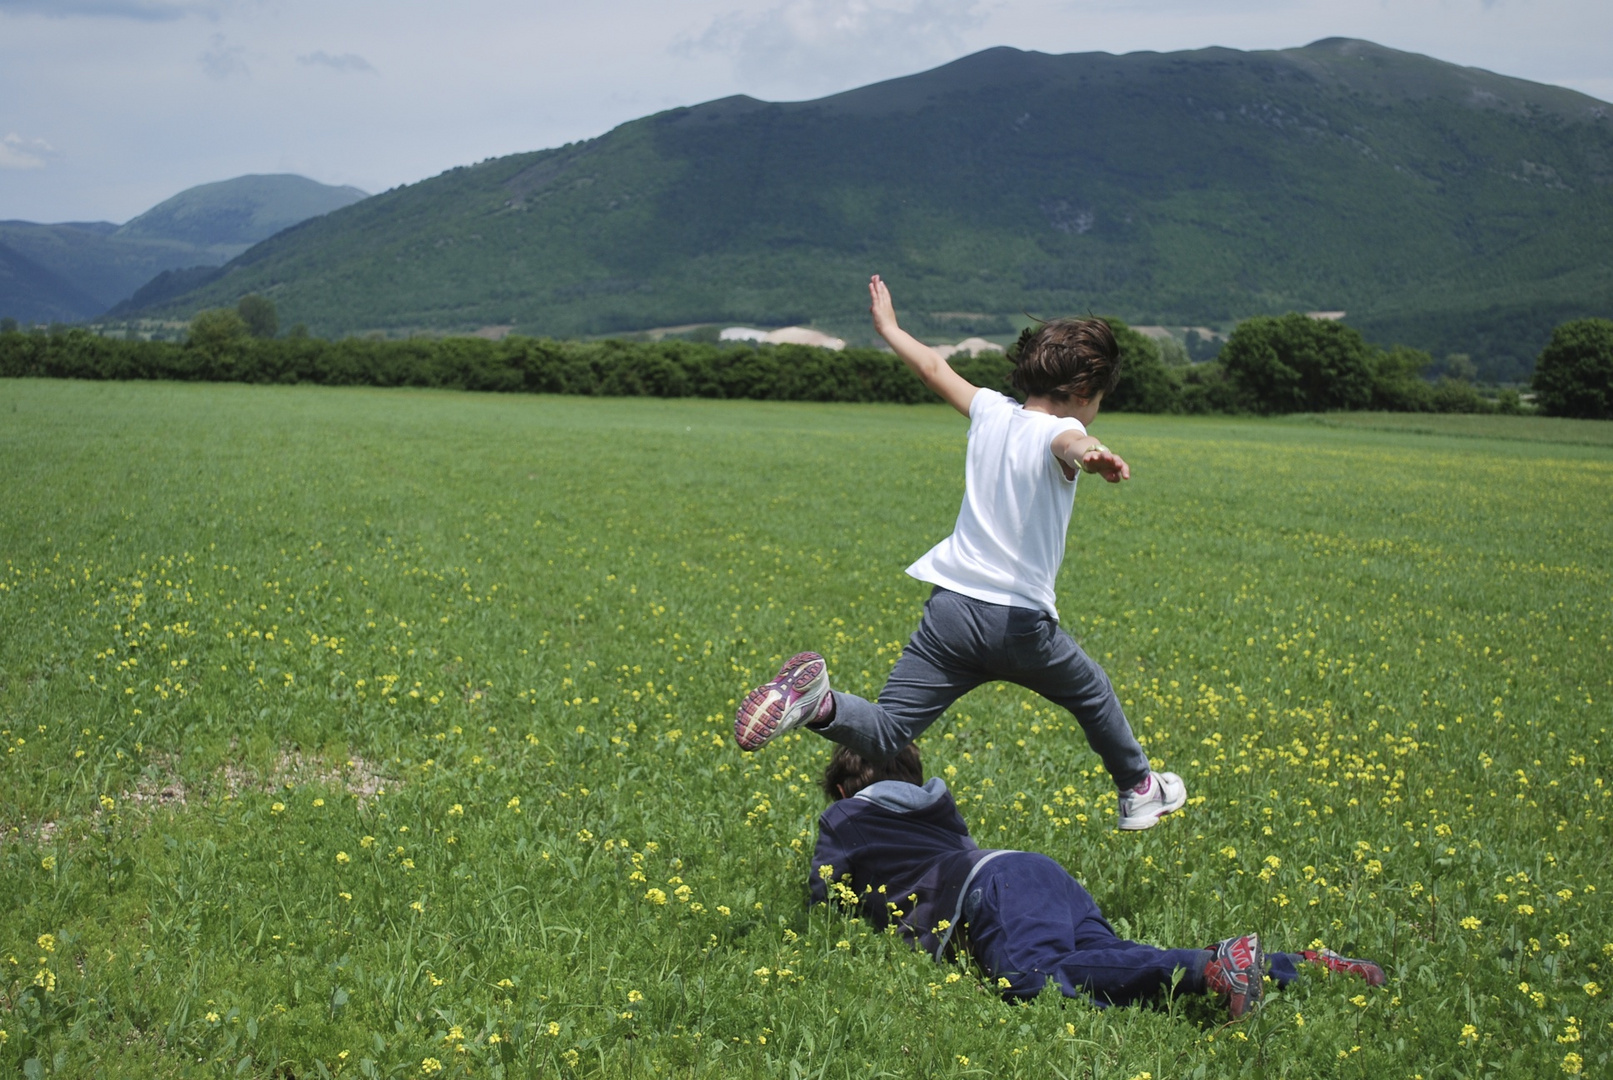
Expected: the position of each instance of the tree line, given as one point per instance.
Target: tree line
(1269, 365)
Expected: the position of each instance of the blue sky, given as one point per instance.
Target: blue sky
(109, 106)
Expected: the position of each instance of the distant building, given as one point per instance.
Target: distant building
(972, 346)
(788, 335)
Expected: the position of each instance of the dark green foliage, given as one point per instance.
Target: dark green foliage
(217, 331)
(1574, 375)
(1455, 396)
(1172, 353)
(1146, 385)
(1206, 389)
(8, 325)
(1202, 347)
(1295, 354)
(1397, 380)
(259, 315)
(1292, 363)
(221, 350)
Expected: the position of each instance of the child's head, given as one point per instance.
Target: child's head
(848, 773)
(1067, 358)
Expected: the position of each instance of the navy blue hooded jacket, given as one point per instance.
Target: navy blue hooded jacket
(903, 853)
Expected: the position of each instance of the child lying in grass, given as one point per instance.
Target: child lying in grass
(897, 848)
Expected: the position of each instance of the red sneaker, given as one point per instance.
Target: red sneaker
(1344, 965)
(1236, 971)
(794, 697)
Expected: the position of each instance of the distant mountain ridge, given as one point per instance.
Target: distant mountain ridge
(74, 271)
(238, 213)
(1438, 205)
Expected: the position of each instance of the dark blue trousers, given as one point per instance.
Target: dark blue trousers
(1027, 920)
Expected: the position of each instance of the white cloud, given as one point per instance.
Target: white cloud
(814, 46)
(17, 152)
(344, 62)
(221, 60)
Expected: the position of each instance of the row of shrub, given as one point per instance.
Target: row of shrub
(1292, 363)
(1280, 364)
(515, 364)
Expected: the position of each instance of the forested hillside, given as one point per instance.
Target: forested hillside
(1442, 207)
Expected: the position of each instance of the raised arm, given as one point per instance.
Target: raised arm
(926, 363)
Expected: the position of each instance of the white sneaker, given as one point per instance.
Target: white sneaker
(1165, 794)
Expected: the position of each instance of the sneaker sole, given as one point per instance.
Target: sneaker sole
(1139, 824)
(777, 705)
(1241, 1005)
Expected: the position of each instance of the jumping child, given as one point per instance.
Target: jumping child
(896, 848)
(991, 615)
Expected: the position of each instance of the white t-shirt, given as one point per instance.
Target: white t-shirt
(1009, 540)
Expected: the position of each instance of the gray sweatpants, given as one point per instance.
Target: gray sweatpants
(961, 643)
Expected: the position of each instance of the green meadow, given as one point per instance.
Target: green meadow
(370, 733)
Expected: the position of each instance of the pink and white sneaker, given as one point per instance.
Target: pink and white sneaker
(797, 694)
(1142, 807)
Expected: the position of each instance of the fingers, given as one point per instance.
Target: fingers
(1111, 466)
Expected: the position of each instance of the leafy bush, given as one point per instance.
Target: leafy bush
(1206, 389)
(1574, 375)
(1146, 385)
(1293, 363)
(1397, 382)
(258, 312)
(1455, 396)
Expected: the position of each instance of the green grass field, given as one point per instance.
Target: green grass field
(387, 733)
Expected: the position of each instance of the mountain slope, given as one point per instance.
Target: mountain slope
(37, 293)
(238, 213)
(1180, 188)
(90, 266)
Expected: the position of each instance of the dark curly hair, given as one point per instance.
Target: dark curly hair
(1066, 358)
(848, 772)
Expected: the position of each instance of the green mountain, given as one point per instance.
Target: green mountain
(235, 214)
(76, 270)
(1447, 207)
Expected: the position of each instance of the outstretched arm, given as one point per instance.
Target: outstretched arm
(1086, 454)
(926, 363)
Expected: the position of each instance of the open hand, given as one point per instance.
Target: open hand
(880, 306)
(1107, 464)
